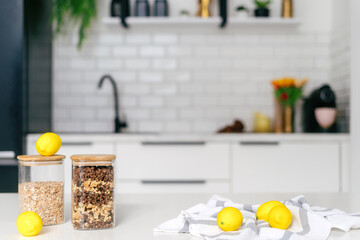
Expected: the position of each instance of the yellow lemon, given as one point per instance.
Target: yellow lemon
(48, 144)
(229, 219)
(263, 211)
(280, 217)
(29, 223)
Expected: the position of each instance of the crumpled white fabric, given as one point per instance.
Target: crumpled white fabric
(309, 222)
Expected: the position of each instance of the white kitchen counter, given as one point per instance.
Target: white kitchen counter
(126, 137)
(137, 215)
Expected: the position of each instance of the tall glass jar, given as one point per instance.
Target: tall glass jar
(41, 187)
(93, 191)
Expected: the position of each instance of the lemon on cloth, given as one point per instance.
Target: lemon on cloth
(280, 217)
(29, 223)
(48, 144)
(229, 219)
(263, 211)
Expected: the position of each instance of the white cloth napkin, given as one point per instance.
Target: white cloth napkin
(309, 222)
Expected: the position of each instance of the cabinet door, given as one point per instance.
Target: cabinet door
(69, 148)
(286, 167)
(173, 160)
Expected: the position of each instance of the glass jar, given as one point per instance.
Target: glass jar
(41, 187)
(93, 191)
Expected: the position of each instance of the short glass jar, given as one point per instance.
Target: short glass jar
(41, 187)
(93, 191)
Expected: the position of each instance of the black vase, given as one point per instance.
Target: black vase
(161, 8)
(120, 7)
(142, 8)
(262, 12)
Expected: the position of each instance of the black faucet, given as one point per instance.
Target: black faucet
(118, 123)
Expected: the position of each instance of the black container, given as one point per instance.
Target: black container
(262, 12)
(319, 98)
(117, 6)
(142, 8)
(161, 8)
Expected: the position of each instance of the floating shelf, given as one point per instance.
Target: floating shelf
(251, 21)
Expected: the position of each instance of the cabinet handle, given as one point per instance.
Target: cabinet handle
(173, 181)
(174, 143)
(267, 143)
(77, 143)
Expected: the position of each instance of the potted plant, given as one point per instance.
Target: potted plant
(287, 91)
(81, 12)
(242, 12)
(262, 9)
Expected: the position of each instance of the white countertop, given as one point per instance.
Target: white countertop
(137, 215)
(233, 137)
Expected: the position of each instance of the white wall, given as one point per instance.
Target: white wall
(340, 55)
(186, 79)
(355, 96)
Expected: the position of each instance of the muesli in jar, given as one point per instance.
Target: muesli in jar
(93, 191)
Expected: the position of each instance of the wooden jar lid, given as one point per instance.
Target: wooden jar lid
(40, 158)
(30, 160)
(92, 157)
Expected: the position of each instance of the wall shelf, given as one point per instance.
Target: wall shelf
(251, 21)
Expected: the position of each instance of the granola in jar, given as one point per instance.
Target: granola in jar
(92, 194)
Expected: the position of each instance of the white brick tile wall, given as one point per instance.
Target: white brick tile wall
(151, 101)
(137, 64)
(164, 64)
(151, 126)
(109, 63)
(179, 51)
(82, 63)
(188, 80)
(163, 114)
(136, 89)
(111, 38)
(152, 51)
(105, 113)
(178, 127)
(165, 38)
(183, 76)
(138, 39)
(82, 113)
(191, 114)
(127, 51)
(151, 77)
(138, 114)
(340, 76)
(165, 89)
(178, 101)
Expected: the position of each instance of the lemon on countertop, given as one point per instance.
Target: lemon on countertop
(229, 219)
(280, 217)
(29, 223)
(263, 211)
(48, 144)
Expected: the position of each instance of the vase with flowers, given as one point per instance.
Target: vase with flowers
(287, 91)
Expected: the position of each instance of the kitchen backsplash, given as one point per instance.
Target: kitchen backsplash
(185, 79)
(340, 76)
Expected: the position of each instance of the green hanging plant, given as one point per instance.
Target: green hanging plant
(80, 11)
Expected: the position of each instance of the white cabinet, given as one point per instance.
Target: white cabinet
(217, 164)
(69, 148)
(173, 166)
(286, 167)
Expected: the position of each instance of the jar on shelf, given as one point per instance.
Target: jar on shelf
(92, 191)
(41, 187)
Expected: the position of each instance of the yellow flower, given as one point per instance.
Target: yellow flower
(288, 82)
(301, 83)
